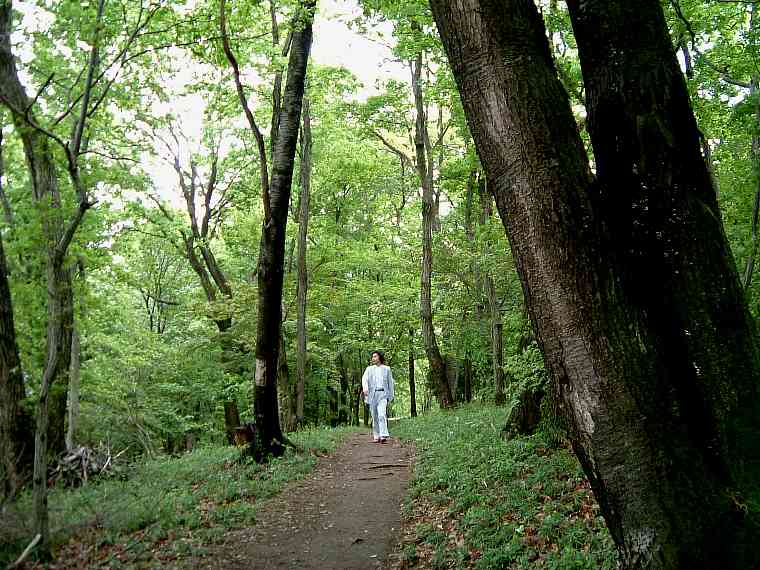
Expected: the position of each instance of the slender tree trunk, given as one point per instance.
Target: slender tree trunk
(356, 376)
(494, 310)
(437, 365)
(60, 320)
(497, 352)
(287, 404)
(631, 287)
(11, 391)
(6, 204)
(303, 277)
(412, 387)
(468, 379)
(73, 400)
(749, 268)
(269, 438)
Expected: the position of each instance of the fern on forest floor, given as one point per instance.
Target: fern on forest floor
(167, 507)
(478, 501)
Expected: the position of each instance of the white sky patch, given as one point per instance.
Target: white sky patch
(336, 44)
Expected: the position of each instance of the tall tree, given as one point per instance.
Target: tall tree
(425, 167)
(276, 198)
(303, 278)
(633, 292)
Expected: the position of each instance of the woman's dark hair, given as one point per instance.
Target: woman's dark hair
(379, 354)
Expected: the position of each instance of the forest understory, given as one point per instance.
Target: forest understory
(474, 501)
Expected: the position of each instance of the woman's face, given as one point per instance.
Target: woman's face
(375, 358)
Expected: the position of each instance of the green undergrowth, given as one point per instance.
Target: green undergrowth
(166, 507)
(481, 502)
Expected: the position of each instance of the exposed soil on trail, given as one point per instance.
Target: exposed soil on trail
(345, 514)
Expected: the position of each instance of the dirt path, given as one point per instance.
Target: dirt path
(345, 514)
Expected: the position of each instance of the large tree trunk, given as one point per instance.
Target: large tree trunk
(303, 277)
(424, 169)
(672, 258)
(632, 290)
(269, 439)
(11, 391)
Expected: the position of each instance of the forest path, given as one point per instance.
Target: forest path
(346, 513)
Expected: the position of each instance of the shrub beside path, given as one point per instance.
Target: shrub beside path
(346, 513)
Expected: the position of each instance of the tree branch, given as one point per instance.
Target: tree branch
(394, 149)
(248, 114)
(702, 57)
(76, 141)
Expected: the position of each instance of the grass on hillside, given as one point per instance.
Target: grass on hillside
(478, 501)
(167, 508)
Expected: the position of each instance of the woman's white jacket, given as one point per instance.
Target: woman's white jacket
(377, 381)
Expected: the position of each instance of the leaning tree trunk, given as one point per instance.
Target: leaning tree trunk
(303, 277)
(269, 439)
(630, 284)
(424, 169)
(675, 263)
(11, 391)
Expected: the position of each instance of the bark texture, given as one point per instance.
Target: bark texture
(11, 392)
(272, 245)
(634, 297)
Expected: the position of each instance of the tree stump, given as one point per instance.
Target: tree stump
(525, 414)
(231, 420)
(244, 435)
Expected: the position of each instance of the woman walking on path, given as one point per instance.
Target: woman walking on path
(377, 384)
